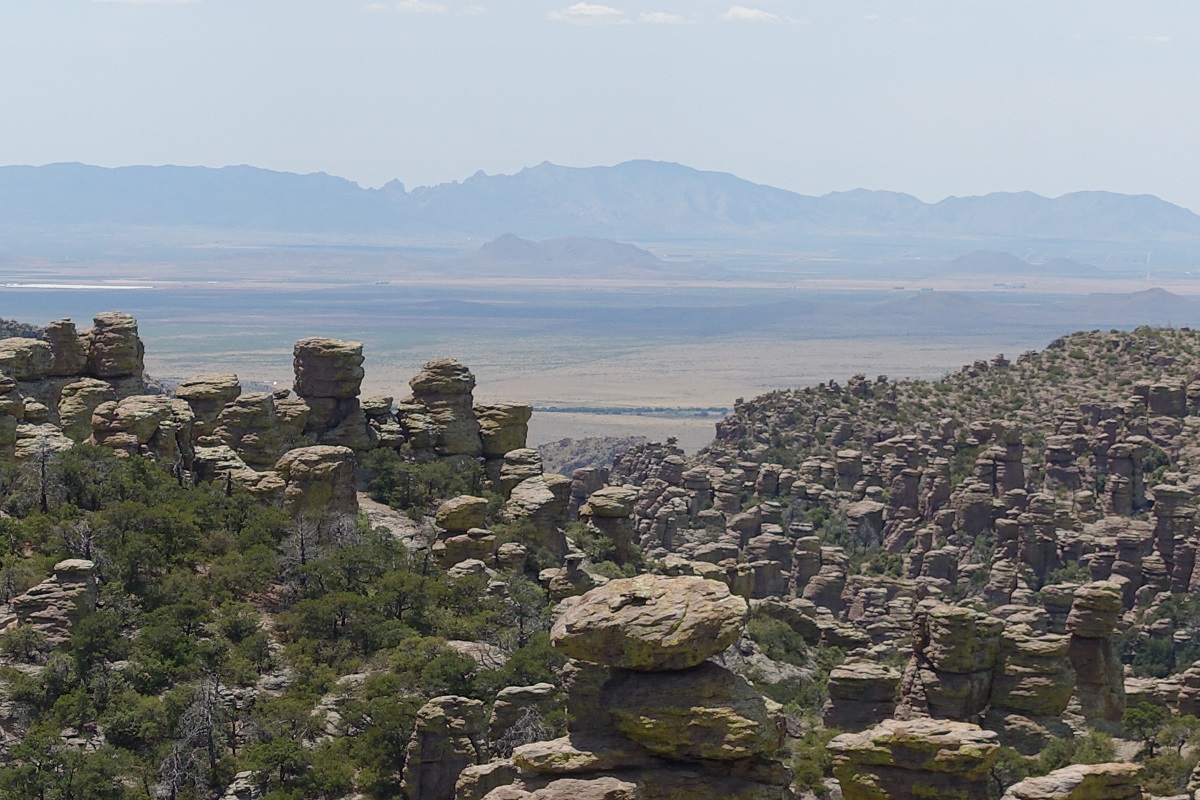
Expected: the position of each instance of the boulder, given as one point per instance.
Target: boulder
(460, 514)
(651, 623)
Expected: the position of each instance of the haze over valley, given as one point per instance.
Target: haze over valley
(653, 290)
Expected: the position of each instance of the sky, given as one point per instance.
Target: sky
(954, 97)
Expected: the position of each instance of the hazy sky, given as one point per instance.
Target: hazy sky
(931, 98)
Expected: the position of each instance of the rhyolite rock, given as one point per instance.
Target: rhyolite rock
(460, 514)
(443, 388)
(915, 760)
(1113, 781)
(447, 737)
(862, 693)
(320, 481)
(208, 395)
(651, 623)
(114, 349)
(706, 712)
(56, 603)
(329, 368)
(502, 427)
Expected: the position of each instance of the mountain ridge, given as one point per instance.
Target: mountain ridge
(636, 200)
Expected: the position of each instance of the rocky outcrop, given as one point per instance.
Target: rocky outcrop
(443, 390)
(502, 427)
(153, 426)
(208, 395)
(260, 427)
(319, 483)
(651, 623)
(915, 760)
(1100, 686)
(52, 606)
(608, 513)
(954, 654)
(1117, 781)
(449, 735)
(862, 694)
(114, 349)
(676, 726)
(329, 375)
(706, 712)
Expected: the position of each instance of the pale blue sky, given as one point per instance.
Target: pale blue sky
(928, 97)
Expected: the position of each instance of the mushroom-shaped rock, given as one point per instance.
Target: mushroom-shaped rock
(611, 501)
(460, 514)
(651, 623)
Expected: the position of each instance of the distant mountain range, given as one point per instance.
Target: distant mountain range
(637, 200)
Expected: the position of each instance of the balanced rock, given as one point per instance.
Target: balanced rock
(651, 623)
(460, 514)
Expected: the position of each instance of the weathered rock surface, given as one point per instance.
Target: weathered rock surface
(651, 623)
(53, 605)
(915, 760)
(448, 736)
(1118, 781)
(706, 712)
(443, 387)
(320, 481)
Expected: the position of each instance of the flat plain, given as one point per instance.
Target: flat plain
(654, 355)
